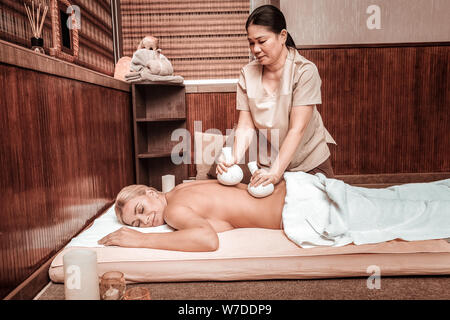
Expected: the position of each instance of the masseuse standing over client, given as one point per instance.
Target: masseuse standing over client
(279, 90)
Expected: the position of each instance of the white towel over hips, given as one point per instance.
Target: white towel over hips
(319, 211)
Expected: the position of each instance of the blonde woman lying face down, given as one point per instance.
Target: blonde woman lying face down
(197, 211)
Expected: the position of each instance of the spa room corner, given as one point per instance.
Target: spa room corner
(100, 95)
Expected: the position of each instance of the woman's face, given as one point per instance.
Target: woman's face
(266, 45)
(144, 211)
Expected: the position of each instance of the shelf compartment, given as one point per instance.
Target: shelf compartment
(155, 137)
(158, 101)
(159, 110)
(151, 170)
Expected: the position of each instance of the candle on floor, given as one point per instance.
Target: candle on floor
(168, 182)
(80, 275)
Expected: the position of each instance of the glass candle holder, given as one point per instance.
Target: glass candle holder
(112, 285)
(137, 293)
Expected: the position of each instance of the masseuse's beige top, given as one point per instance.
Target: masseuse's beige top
(299, 86)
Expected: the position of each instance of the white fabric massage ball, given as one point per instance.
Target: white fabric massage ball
(259, 191)
(234, 174)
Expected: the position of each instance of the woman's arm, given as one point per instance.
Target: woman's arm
(193, 233)
(299, 119)
(244, 134)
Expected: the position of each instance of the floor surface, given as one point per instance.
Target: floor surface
(390, 288)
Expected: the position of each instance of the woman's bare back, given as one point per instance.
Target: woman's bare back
(228, 207)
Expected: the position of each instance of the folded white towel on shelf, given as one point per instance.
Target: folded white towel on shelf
(145, 76)
(153, 60)
(151, 66)
(328, 212)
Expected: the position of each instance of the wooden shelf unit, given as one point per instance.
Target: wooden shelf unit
(158, 110)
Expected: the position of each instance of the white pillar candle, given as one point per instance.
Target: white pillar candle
(80, 275)
(168, 182)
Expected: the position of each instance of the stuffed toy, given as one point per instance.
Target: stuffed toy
(148, 55)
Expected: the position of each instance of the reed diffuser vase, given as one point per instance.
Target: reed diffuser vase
(36, 13)
(37, 45)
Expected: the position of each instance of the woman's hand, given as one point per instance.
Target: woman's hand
(222, 165)
(264, 177)
(124, 237)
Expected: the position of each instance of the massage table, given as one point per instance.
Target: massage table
(253, 254)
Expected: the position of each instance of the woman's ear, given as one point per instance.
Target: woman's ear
(283, 35)
(150, 192)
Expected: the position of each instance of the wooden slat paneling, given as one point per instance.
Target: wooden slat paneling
(213, 111)
(203, 39)
(387, 108)
(66, 152)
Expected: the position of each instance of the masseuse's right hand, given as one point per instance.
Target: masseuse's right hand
(222, 165)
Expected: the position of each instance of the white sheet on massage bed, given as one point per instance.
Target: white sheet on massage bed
(253, 253)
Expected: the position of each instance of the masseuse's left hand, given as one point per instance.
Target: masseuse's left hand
(264, 177)
(124, 237)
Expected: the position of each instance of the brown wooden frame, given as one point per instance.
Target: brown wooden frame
(58, 50)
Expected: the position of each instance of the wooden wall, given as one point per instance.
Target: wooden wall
(388, 108)
(66, 150)
(95, 36)
(191, 33)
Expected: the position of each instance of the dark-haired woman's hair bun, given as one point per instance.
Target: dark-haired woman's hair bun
(271, 17)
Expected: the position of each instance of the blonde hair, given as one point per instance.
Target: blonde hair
(126, 194)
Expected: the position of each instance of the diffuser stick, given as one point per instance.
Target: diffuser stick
(42, 22)
(30, 19)
(32, 16)
(37, 19)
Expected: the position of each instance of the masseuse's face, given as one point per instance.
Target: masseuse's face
(144, 211)
(265, 45)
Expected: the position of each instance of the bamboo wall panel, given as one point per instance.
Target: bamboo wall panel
(387, 108)
(213, 111)
(203, 39)
(96, 39)
(66, 151)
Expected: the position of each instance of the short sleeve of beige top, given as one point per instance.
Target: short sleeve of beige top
(299, 86)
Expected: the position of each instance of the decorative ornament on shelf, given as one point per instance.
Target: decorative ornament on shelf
(36, 14)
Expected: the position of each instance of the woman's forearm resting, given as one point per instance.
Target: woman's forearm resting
(194, 239)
